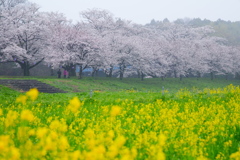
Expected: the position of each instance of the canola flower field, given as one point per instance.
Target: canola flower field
(196, 125)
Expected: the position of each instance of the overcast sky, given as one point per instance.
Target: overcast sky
(143, 11)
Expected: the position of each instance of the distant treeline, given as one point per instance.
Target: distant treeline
(226, 29)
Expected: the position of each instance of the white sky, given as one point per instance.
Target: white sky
(143, 11)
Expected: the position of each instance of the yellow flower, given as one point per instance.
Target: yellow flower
(49, 144)
(1, 112)
(22, 99)
(11, 118)
(22, 134)
(202, 158)
(41, 132)
(63, 143)
(90, 143)
(53, 135)
(162, 139)
(89, 133)
(120, 141)
(4, 142)
(161, 155)
(31, 132)
(116, 110)
(235, 155)
(76, 155)
(7, 150)
(15, 153)
(74, 104)
(100, 149)
(111, 133)
(27, 115)
(33, 93)
(112, 152)
(228, 143)
(58, 126)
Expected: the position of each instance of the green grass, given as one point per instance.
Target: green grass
(112, 88)
(187, 117)
(87, 84)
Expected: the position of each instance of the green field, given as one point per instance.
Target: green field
(114, 85)
(123, 120)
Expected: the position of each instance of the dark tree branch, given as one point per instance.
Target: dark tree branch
(36, 63)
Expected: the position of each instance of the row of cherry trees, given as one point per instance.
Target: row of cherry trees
(118, 47)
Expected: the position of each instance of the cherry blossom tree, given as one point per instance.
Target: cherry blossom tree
(218, 60)
(189, 50)
(125, 48)
(146, 58)
(26, 36)
(103, 25)
(5, 28)
(72, 44)
(101, 41)
(235, 57)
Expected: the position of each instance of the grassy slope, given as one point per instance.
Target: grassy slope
(153, 85)
(115, 85)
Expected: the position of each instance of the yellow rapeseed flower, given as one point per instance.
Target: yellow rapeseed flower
(33, 94)
(4, 142)
(31, 132)
(22, 99)
(74, 105)
(112, 152)
(120, 141)
(100, 149)
(89, 133)
(50, 145)
(111, 134)
(161, 155)
(76, 155)
(11, 118)
(23, 136)
(58, 126)
(202, 158)
(116, 110)
(63, 143)
(41, 132)
(27, 115)
(236, 155)
(15, 153)
(162, 139)
(1, 112)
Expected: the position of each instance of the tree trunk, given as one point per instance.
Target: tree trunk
(142, 76)
(110, 72)
(81, 72)
(139, 75)
(25, 67)
(96, 73)
(226, 76)
(181, 77)
(175, 73)
(26, 71)
(121, 75)
(93, 72)
(72, 72)
(212, 75)
(198, 75)
(52, 73)
(122, 68)
(237, 76)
